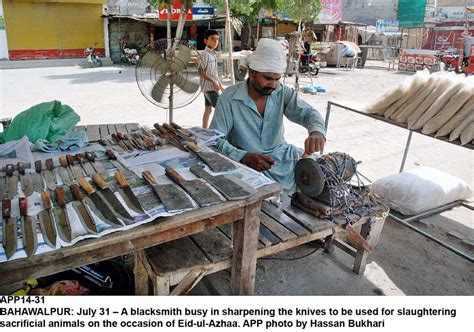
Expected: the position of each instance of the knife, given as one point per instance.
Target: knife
(117, 164)
(111, 198)
(46, 221)
(102, 207)
(25, 180)
(10, 232)
(38, 184)
(80, 207)
(97, 165)
(75, 169)
(12, 182)
(132, 199)
(64, 171)
(87, 167)
(49, 174)
(61, 216)
(28, 228)
(2, 187)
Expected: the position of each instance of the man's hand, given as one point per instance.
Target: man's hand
(216, 86)
(314, 143)
(257, 161)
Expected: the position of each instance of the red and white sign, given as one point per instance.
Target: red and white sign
(175, 12)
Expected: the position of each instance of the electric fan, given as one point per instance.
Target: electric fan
(165, 76)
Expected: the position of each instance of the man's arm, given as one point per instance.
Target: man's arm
(302, 113)
(203, 63)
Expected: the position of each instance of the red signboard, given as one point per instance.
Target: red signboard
(445, 39)
(175, 12)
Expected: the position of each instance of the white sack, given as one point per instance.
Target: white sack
(419, 190)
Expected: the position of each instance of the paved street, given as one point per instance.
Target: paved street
(404, 262)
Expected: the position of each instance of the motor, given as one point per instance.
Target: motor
(92, 56)
(130, 55)
(309, 63)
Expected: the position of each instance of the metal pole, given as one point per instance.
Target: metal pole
(407, 147)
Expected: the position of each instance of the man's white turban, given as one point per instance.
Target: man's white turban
(269, 57)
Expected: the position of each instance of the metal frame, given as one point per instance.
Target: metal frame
(407, 221)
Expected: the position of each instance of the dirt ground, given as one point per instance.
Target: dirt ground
(403, 263)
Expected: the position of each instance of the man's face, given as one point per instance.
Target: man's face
(264, 83)
(212, 41)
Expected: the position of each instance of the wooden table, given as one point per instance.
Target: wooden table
(243, 214)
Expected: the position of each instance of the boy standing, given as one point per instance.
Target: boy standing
(207, 69)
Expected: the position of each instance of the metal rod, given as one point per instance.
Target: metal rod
(407, 147)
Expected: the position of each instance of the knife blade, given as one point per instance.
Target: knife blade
(102, 207)
(46, 221)
(75, 169)
(49, 174)
(64, 171)
(111, 198)
(9, 236)
(25, 180)
(3, 181)
(82, 212)
(125, 187)
(38, 184)
(118, 165)
(28, 228)
(12, 182)
(87, 167)
(97, 165)
(62, 219)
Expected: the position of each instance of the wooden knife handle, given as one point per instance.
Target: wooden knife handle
(21, 168)
(76, 191)
(115, 138)
(121, 136)
(86, 186)
(6, 208)
(193, 147)
(173, 175)
(99, 181)
(110, 154)
(23, 203)
(169, 128)
(63, 161)
(46, 198)
(80, 158)
(121, 180)
(90, 156)
(70, 159)
(149, 178)
(60, 196)
(38, 166)
(175, 125)
(9, 169)
(49, 164)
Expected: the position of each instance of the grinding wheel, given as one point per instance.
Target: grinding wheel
(309, 177)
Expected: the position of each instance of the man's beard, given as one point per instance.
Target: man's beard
(261, 91)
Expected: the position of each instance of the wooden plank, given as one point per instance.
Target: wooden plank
(140, 274)
(188, 282)
(214, 244)
(306, 220)
(244, 257)
(120, 128)
(267, 237)
(111, 128)
(93, 133)
(276, 228)
(104, 131)
(283, 219)
(345, 247)
(372, 237)
(80, 128)
(131, 127)
(181, 254)
(227, 230)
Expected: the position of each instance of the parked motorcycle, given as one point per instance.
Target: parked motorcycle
(130, 56)
(92, 56)
(309, 63)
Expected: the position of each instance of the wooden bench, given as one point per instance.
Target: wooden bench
(184, 262)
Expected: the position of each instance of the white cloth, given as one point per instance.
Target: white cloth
(269, 57)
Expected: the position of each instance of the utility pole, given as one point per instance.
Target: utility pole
(229, 33)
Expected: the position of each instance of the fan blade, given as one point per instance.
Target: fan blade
(154, 59)
(181, 61)
(185, 85)
(159, 88)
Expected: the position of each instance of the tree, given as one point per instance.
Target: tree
(300, 11)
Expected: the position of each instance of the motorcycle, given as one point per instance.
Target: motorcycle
(130, 56)
(309, 63)
(92, 56)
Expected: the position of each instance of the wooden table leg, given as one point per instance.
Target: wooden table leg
(244, 257)
(141, 275)
(372, 238)
(329, 242)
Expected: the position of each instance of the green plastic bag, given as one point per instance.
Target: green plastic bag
(50, 121)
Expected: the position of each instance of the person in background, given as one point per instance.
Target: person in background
(250, 115)
(207, 69)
